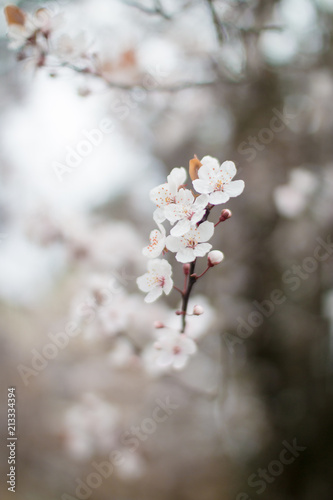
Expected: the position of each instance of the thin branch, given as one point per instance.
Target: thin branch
(176, 87)
(219, 27)
(186, 296)
(158, 10)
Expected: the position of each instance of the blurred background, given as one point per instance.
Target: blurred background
(249, 81)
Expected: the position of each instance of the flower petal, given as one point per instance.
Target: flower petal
(185, 255)
(218, 197)
(205, 231)
(173, 244)
(181, 228)
(202, 186)
(154, 294)
(164, 358)
(202, 249)
(179, 361)
(228, 171)
(235, 188)
(144, 282)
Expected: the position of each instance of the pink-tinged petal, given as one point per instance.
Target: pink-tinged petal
(218, 197)
(153, 294)
(235, 188)
(144, 282)
(202, 249)
(173, 244)
(228, 171)
(181, 228)
(205, 231)
(168, 284)
(185, 255)
(179, 361)
(202, 186)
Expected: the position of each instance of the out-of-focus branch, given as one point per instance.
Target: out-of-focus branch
(176, 87)
(158, 10)
(219, 27)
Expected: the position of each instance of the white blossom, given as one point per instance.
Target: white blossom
(70, 48)
(215, 180)
(192, 244)
(19, 34)
(157, 243)
(186, 211)
(175, 349)
(164, 194)
(157, 280)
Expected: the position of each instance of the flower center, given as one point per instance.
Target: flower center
(161, 281)
(219, 185)
(176, 349)
(191, 243)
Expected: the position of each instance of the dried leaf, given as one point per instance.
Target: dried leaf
(14, 15)
(195, 164)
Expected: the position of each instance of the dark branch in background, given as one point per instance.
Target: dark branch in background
(219, 27)
(158, 10)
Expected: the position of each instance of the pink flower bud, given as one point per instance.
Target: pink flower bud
(158, 324)
(186, 269)
(198, 310)
(179, 313)
(215, 257)
(225, 214)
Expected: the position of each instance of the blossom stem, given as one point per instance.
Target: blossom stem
(197, 277)
(192, 279)
(178, 289)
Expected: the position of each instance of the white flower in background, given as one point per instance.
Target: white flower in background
(215, 180)
(157, 280)
(192, 244)
(164, 194)
(19, 34)
(157, 243)
(292, 199)
(70, 48)
(130, 465)
(90, 427)
(186, 211)
(175, 349)
(122, 355)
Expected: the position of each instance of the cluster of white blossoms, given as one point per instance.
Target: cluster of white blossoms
(187, 212)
